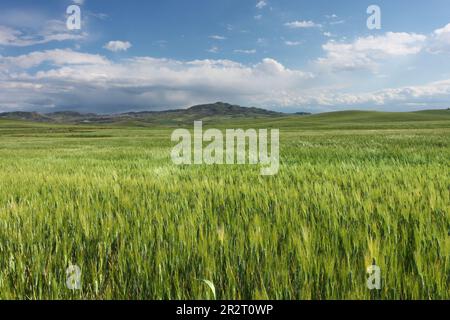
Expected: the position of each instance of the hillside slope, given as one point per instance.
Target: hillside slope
(218, 110)
(226, 115)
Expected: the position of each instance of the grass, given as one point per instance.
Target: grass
(352, 187)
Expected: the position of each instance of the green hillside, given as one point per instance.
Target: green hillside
(246, 117)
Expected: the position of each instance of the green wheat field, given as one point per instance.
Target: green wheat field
(353, 187)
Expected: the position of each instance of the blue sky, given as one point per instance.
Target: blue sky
(283, 55)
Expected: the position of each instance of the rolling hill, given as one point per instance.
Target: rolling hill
(223, 114)
(199, 112)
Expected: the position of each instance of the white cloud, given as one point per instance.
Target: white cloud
(80, 81)
(431, 95)
(302, 24)
(217, 37)
(366, 52)
(57, 57)
(69, 79)
(440, 40)
(392, 44)
(425, 95)
(116, 46)
(261, 4)
(292, 43)
(53, 30)
(8, 35)
(443, 32)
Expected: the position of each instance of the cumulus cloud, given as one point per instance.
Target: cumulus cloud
(92, 83)
(68, 79)
(89, 82)
(366, 52)
(443, 33)
(261, 4)
(427, 95)
(369, 52)
(116, 46)
(430, 95)
(440, 40)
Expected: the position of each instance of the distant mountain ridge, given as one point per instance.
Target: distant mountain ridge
(198, 112)
(219, 112)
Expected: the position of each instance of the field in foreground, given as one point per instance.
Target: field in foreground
(352, 188)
